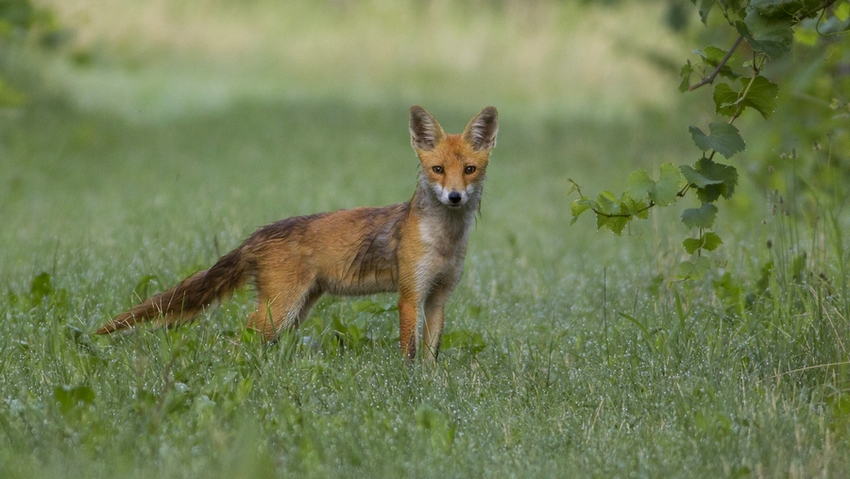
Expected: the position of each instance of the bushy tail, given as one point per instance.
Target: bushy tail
(188, 298)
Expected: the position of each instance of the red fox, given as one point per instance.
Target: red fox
(415, 248)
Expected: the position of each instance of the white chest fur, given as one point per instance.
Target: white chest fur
(444, 237)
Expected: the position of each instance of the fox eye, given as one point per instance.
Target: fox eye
(469, 169)
(437, 169)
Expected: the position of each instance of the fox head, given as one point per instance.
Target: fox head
(453, 166)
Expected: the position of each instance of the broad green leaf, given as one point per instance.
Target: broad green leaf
(685, 74)
(691, 245)
(695, 178)
(614, 223)
(736, 9)
(761, 95)
(634, 208)
(662, 192)
(639, 184)
(709, 242)
(700, 138)
(695, 269)
(725, 99)
(606, 203)
(785, 8)
(668, 185)
(726, 174)
(772, 36)
(578, 207)
(617, 224)
(713, 56)
(704, 8)
(702, 217)
(724, 139)
(601, 221)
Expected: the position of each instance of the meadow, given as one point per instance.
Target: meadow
(163, 133)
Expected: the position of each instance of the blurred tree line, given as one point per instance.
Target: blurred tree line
(808, 136)
(21, 24)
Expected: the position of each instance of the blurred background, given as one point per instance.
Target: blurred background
(160, 59)
(217, 116)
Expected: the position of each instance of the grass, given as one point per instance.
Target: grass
(572, 353)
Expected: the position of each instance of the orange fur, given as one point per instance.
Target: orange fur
(416, 248)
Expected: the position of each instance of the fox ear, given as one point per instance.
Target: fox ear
(425, 132)
(481, 130)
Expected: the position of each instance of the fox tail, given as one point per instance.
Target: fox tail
(189, 297)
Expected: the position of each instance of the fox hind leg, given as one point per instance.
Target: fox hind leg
(284, 307)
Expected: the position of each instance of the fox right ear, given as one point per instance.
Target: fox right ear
(481, 130)
(425, 132)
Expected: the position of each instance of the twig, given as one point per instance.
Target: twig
(709, 79)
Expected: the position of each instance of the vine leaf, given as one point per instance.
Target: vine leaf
(614, 223)
(696, 178)
(704, 8)
(578, 207)
(761, 96)
(662, 192)
(640, 185)
(702, 217)
(719, 179)
(784, 8)
(609, 213)
(769, 35)
(606, 203)
(724, 139)
(668, 185)
(634, 208)
(685, 74)
(725, 99)
(694, 270)
(692, 245)
(713, 56)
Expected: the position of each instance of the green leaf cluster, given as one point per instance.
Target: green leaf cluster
(765, 24)
(708, 241)
(768, 28)
(723, 138)
(771, 35)
(642, 193)
(711, 180)
(757, 92)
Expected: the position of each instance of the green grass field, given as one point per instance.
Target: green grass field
(163, 135)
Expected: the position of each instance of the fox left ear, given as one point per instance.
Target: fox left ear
(481, 130)
(425, 132)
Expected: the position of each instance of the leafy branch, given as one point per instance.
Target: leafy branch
(720, 65)
(767, 27)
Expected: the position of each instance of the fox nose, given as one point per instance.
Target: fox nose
(454, 197)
